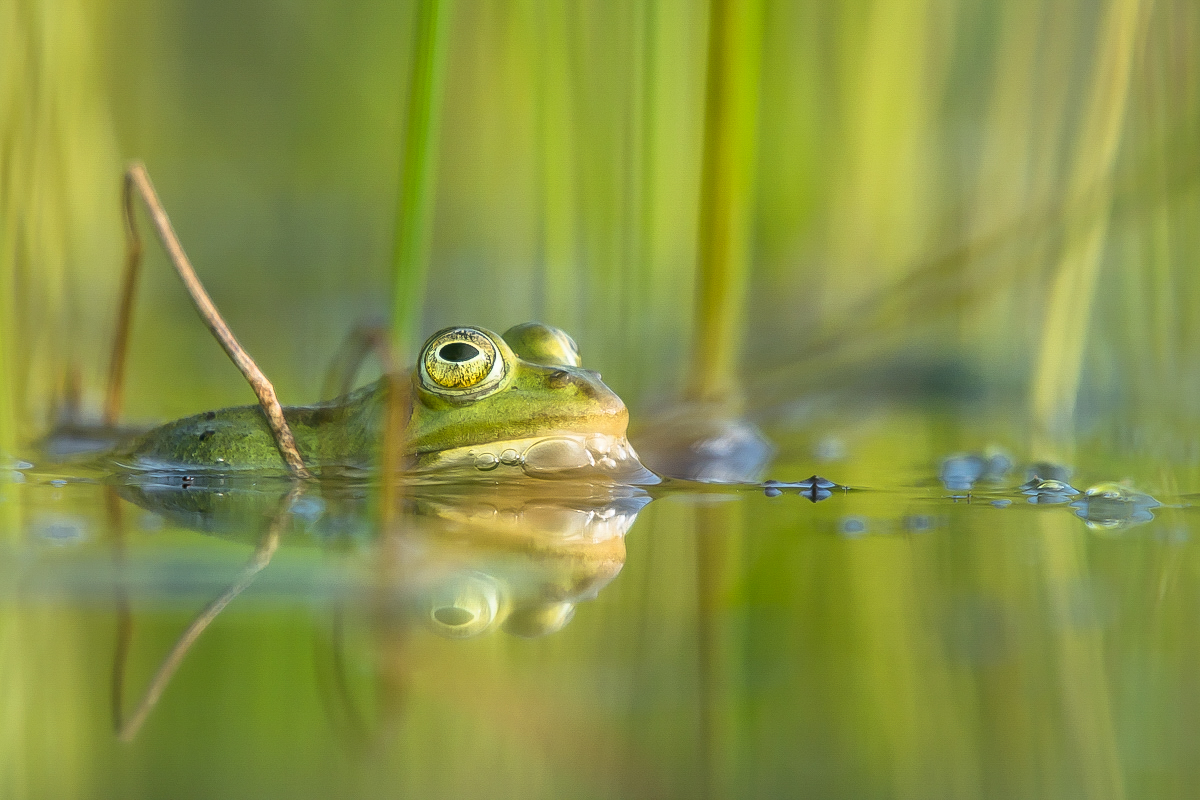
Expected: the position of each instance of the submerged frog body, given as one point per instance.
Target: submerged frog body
(475, 402)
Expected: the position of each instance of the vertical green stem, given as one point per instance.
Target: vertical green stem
(7, 265)
(726, 195)
(555, 83)
(415, 204)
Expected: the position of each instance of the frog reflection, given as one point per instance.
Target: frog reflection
(457, 562)
(474, 558)
(518, 561)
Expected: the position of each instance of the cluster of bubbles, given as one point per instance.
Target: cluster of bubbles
(1104, 506)
(984, 477)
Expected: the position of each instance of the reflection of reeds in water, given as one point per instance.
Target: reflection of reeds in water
(1077, 653)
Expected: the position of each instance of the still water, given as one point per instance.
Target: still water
(947, 627)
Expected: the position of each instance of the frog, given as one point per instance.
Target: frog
(475, 403)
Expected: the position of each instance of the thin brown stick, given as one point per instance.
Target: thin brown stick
(128, 728)
(133, 263)
(137, 178)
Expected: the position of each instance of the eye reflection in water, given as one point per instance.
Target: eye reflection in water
(456, 562)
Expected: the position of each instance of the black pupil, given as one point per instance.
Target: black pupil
(458, 352)
(453, 616)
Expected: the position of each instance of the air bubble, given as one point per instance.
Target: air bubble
(557, 455)
(599, 445)
(486, 461)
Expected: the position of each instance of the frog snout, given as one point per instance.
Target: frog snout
(561, 378)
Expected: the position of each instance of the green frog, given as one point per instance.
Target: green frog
(476, 402)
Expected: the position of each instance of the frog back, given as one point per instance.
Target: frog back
(338, 433)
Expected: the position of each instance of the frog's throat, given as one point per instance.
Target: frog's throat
(561, 455)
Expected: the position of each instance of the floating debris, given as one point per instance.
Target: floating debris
(815, 488)
(1048, 492)
(1112, 506)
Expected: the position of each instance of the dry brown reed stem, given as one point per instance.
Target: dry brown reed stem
(133, 263)
(137, 178)
(128, 728)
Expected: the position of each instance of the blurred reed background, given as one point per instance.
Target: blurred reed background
(1005, 188)
(953, 200)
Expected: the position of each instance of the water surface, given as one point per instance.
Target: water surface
(934, 631)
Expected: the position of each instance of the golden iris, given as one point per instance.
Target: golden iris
(460, 358)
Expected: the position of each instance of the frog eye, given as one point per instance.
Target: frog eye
(461, 360)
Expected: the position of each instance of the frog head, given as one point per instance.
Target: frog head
(487, 402)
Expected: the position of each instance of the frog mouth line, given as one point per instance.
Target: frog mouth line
(558, 456)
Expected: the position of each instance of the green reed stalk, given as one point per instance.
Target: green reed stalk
(7, 304)
(556, 132)
(726, 196)
(415, 203)
(1089, 198)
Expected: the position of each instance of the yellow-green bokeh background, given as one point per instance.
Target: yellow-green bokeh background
(1008, 185)
(988, 208)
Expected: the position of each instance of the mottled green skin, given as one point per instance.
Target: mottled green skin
(536, 397)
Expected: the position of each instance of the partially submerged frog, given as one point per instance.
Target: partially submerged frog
(476, 402)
